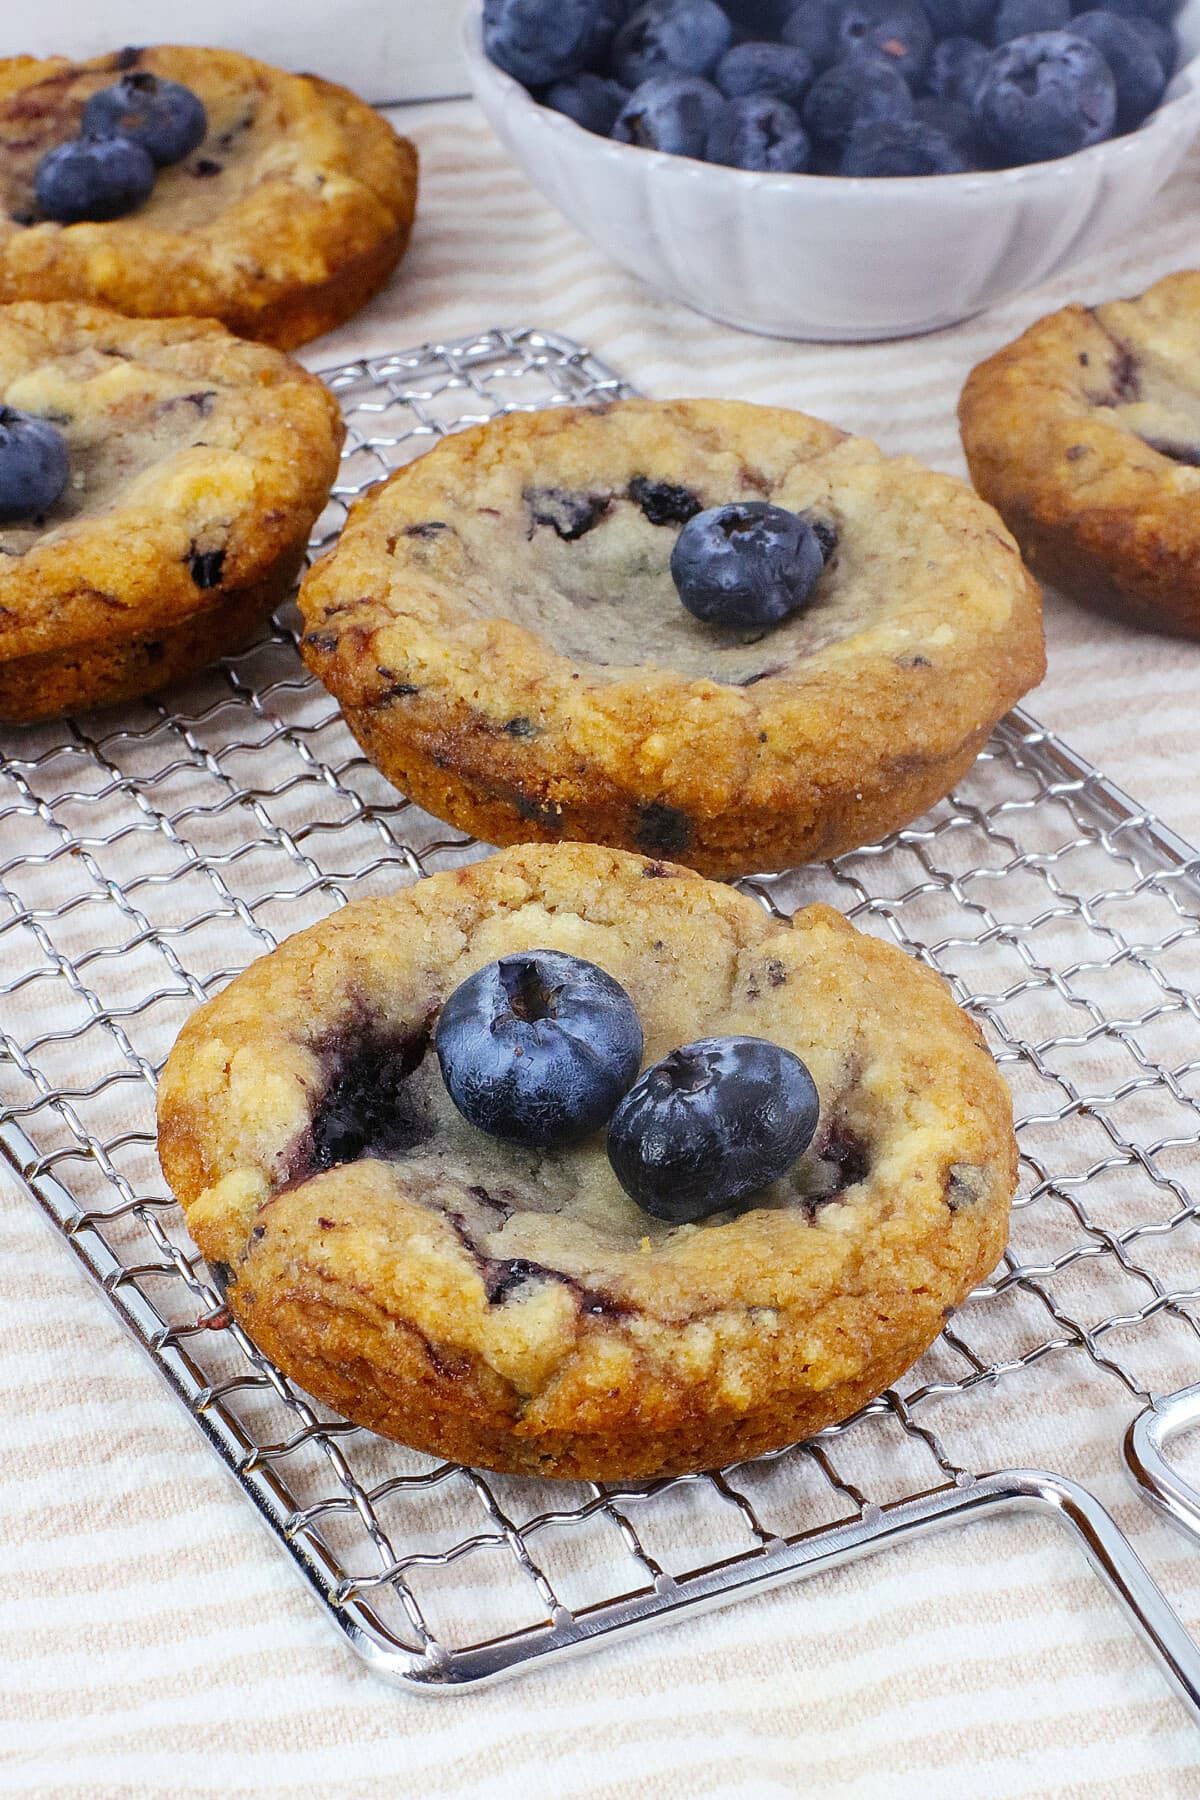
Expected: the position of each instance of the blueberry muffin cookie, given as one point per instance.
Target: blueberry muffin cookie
(1085, 434)
(513, 636)
(511, 1303)
(281, 219)
(158, 483)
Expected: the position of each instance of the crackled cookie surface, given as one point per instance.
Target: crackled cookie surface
(197, 465)
(516, 1308)
(284, 221)
(501, 629)
(1085, 434)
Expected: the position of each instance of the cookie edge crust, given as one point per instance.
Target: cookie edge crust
(498, 808)
(417, 1399)
(1129, 562)
(53, 683)
(379, 1368)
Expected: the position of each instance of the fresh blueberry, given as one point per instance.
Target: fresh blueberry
(956, 69)
(895, 30)
(593, 101)
(757, 19)
(1161, 11)
(1019, 18)
(1044, 96)
(711, 1125)
(672, 113)
(961, 18)
(746, 564)
(952, 120)
(164, 117)
(1137, 71)
(540, 41)
(765, 72)
(670, 37)
(33, 465)
(812, 27)
(93, 178)
(859, 91)
(901, 147)
(538, 1048)
(759, 134)
(1161, 38)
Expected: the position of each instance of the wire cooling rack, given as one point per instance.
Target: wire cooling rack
(147, 855)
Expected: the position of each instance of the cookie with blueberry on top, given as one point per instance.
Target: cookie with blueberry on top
(1085, 435)
(176, 181)
(159, 479)
(724, 633)
(573, 1163)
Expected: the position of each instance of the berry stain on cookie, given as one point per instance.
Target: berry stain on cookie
(205, 566)
(662, 830)
(570, 516)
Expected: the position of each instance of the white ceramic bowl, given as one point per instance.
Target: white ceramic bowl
(827, 257)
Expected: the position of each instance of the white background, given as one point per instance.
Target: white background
(384, 49)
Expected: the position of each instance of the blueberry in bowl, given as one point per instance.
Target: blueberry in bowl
(593, 101)
(953, 120)
(670, 37)
(674, 113)
(801, 256)
(540, 41)
(669, 76)
(898, 31)
(957, 65)
(858, 91)
(902, 147)
(1137, 67)
(1045, 96)
(765, 72)
(1021, 18)
(758, 133)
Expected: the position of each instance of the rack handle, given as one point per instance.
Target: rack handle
(1145, 1454)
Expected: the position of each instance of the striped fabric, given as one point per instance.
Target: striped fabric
(155, 1642)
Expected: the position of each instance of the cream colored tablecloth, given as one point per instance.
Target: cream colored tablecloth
(154, 1640)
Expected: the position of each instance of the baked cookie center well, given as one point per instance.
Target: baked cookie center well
(592, 577)
(520, 1216)
(240, 149)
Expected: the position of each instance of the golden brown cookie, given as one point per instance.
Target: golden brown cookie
(287, 218)
(499, 625)
(515, 1308)
(1085, 435)
(198, 464)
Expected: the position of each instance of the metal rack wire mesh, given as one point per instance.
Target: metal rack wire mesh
(147, 856)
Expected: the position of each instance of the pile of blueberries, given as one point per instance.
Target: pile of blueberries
(127, 132)
(843, 87)
(541, 1049)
